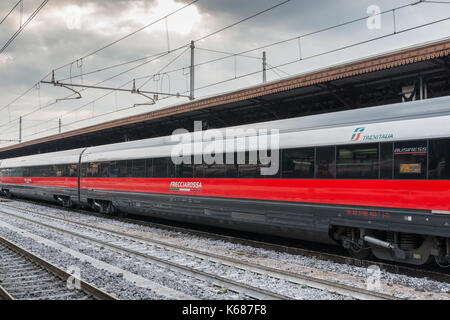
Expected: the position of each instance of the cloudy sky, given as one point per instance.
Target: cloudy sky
(66, 30)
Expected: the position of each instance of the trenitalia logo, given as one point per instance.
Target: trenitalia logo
(357, 134)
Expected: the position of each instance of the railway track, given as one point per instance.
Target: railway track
(192, 261)
(25, 276)
(420, 272)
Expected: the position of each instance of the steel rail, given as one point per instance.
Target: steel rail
(337, 258)
(251, 291)
(85, 287)
(320, 284)
(4, 295)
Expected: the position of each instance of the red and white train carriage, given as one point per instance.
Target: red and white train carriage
(375, 180)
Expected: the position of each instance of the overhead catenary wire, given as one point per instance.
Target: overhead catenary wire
(321, 30)
(168, 64)
(131, 34)
(243, 53)
(197, 88)
(91, 102)
(202, 38)
(228, 53)
(284, 64)
(96, 84)
(110, 92)
(104, 47)
(262, 47)
(279, 42)
(319, 54)
(11, 11)
(23, 26)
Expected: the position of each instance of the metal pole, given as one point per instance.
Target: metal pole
(20, 129)
(421, 88)
(192, 72)
(264, 67)
(59, 125)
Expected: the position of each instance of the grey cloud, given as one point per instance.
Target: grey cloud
(41, 48)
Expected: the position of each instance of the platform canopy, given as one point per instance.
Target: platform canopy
(414, 73)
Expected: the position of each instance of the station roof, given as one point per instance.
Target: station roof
(368, 82)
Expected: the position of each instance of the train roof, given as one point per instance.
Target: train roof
(315, 130)
(310, 128)
(60, 157)
(393, 112)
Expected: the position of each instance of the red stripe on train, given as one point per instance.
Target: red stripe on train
(44, 182)
(405, 194)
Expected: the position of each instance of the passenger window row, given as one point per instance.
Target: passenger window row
(423, 159)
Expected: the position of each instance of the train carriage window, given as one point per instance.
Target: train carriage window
(83, 169)
(357, 161)
(138, 168)
(160, 168)
(14, 172)
(149, 170)
(410, 160)
(45, 171)
(199, 170)
(271, 163)
(386, 160)
(298, 163)
(103, 169)
(108, 169)
(34, 172)
(122, 169)
(66, 170)
(185, 170)
(57, 171)
(250, 169)
(439, 167)
(171, 168)
(325, 166)
(216, 170)
(73, 170)
(93, 169)
(231, 165)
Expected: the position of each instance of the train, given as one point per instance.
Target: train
(374, 180)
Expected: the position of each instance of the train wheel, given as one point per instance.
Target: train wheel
(360, 253)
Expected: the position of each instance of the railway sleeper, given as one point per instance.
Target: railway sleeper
(394, 246)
